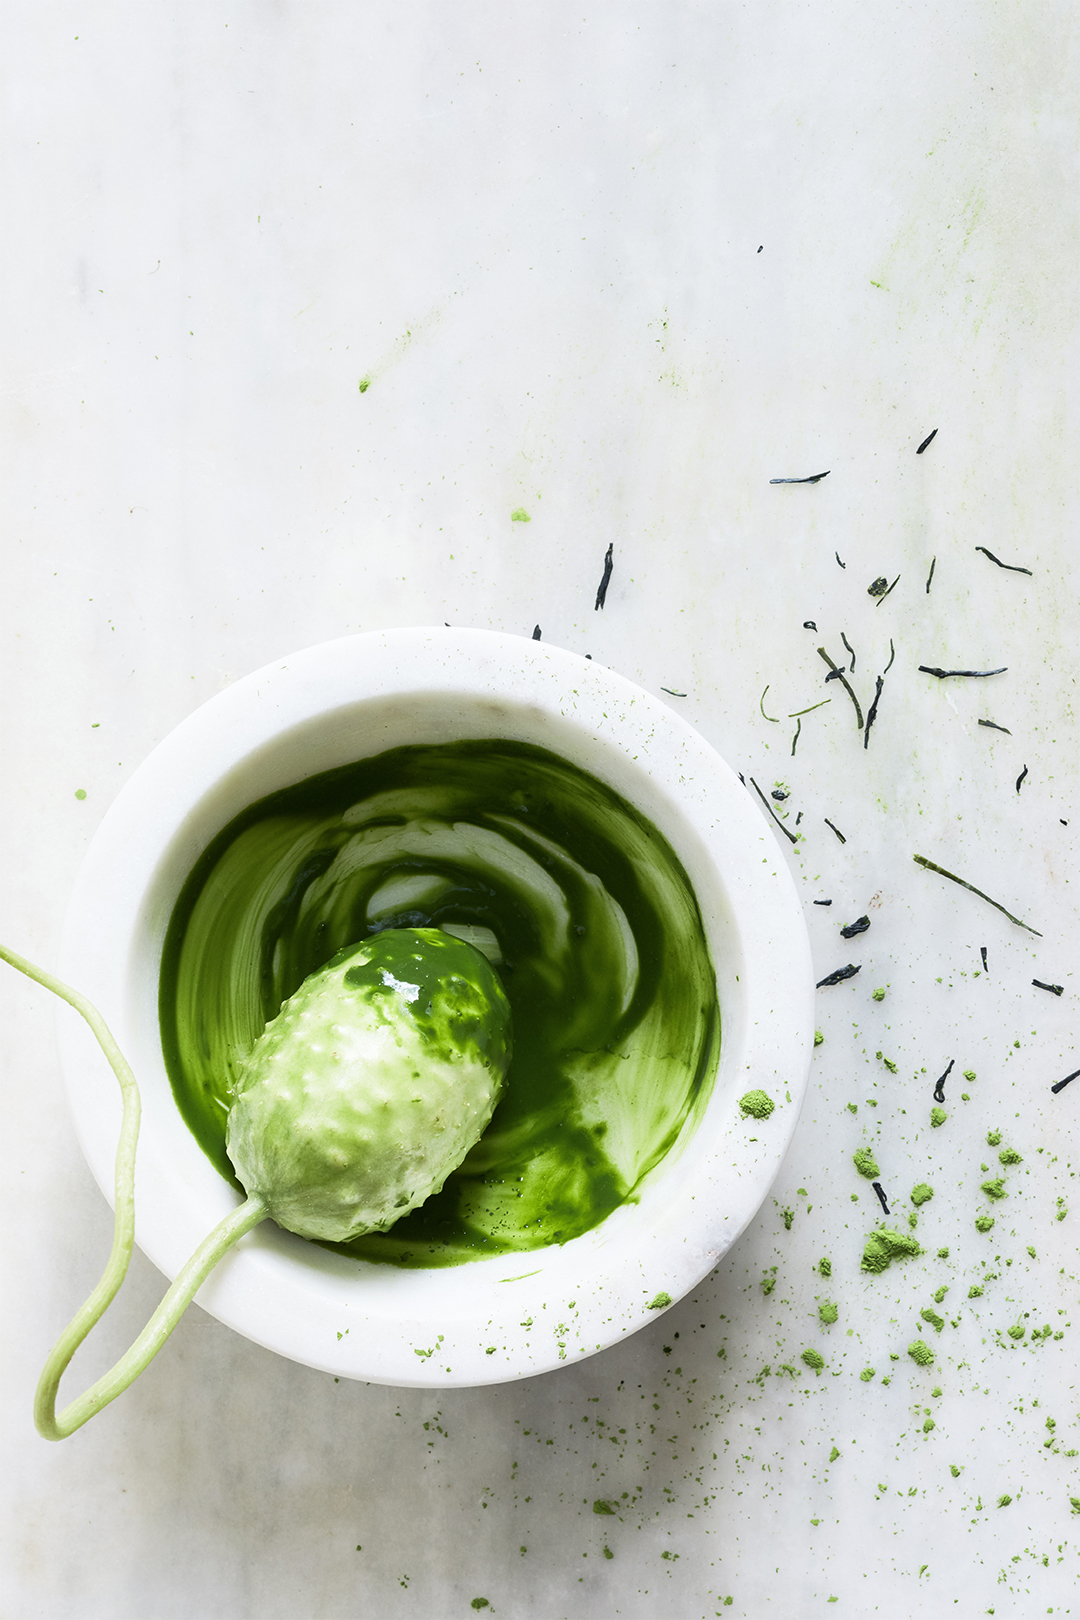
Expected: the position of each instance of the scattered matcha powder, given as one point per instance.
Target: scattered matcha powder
(920, 1353)
(938, 1117)
(833, 1454)
(879, 995)
(921, 1194)
(519, 515)
(818, 1037)
(757, 1104)
(883, 1246)
(1009, 1156)
(866, 1374)
(825, 1267)
(984, 1223)
(811, 1358)
(1003, 1501)
(954, 1471)
(993, 1138)
(940, 1295)
(929, 1314)
(995, 1188)
(865, 1163)
(828, 1312)
(660, 1303)
(969, 1074)
(928, 1425)
(80, 793)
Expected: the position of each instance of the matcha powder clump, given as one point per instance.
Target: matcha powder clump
(865, 1163)
(884, 1246)
(920, 1353)
(757, 1104)
(811, 1358)
(921, 1194)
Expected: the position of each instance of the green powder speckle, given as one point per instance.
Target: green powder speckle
(937, 1390)
(940, 1295)
(969, 1074)
(943, 1254)
(1074, 1503)
(929, 1314)
(1009, 1156)
(833, 1454)
(865, 1163)
(1003, 1501)
(928, 1425)
(921, 1353)
(974, 1292)
(879, 995)
(479, 1603)
(1062, 1210)
(828, 1312)
(818, 1037)
(938, 1117)
(1031, 1251)
(995, 1188)
(787, 1216)
(993, 1138)
(80, 793)
(660, 1303)
(811, 1358)
(365, 384)
(984, 1223)
(853, 1108)
(519, 515)
(768, 1284)
(757, 1104)
(883, 1246)
(913, 1220)
(921, 1194)
(608, 1553)
(954, 1471)
(866, 1374)
(825, 1267)
(600, 1506)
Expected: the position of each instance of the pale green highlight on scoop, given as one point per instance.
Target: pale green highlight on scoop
(371, 1084)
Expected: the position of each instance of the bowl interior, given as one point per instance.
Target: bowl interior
(513, 1314)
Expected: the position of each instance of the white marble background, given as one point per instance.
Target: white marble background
(617, 264)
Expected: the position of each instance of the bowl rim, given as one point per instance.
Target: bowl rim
(538, 1310)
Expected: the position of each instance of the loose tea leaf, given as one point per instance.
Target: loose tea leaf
(839, 975)
(842, 678)
(836, 830)
(1054, 989)
(859, 926)
(601, 590)
(929, 438)
(1012, 567)
(815, 479)
(978, 674)
(931, 866)
(939, 1088)
(993, 726)
(771, 811)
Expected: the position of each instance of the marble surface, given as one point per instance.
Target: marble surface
(303, 303)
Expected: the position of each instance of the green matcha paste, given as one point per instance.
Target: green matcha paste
(578, 902)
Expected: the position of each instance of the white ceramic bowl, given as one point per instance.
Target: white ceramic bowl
(348, 700)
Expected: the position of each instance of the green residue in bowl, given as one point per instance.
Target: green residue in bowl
(582, 907)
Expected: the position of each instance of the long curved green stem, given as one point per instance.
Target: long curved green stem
(150, 1340)
(179, 1296)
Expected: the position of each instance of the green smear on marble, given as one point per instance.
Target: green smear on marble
(593, 930)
